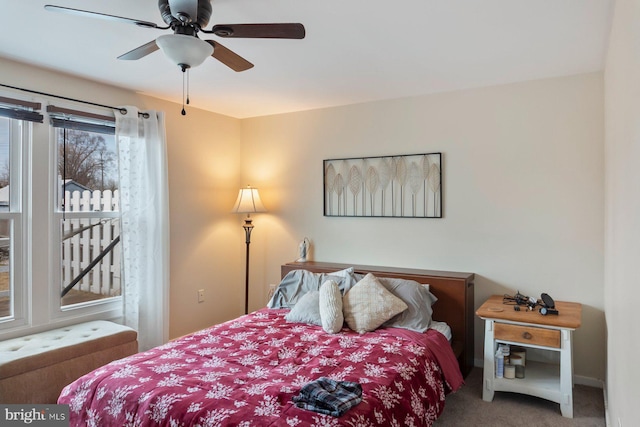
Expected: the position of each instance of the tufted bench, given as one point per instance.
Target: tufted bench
(35, 368)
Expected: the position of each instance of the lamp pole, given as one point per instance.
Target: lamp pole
(248, 227)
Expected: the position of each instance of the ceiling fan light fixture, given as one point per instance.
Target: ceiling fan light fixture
(183, 50)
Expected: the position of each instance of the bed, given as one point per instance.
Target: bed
(247, 371)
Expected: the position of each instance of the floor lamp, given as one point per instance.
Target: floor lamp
(248, 202)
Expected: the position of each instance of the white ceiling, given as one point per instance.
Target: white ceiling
(355, 50)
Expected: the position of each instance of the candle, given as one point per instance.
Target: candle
(509, 371)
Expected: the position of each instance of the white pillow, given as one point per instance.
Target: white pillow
(331, 307)
(369, 304)
(306, 310)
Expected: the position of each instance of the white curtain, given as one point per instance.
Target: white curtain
(144, 206)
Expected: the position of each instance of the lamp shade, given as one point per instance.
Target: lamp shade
(184, 49)
(248, 201)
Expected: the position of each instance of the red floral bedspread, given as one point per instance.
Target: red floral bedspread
(244, 373)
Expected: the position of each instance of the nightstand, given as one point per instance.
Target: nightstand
(530, 329)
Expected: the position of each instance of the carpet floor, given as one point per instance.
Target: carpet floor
(466, 408)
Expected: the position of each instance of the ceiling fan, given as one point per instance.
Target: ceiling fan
(186, 18)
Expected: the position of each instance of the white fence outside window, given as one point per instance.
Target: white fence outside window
(89, 237)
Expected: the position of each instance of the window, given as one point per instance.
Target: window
(86, 210)
(14, 135)
(59, 218)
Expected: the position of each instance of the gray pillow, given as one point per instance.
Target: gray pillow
(298, 282)
(307, 310)
(417, 317)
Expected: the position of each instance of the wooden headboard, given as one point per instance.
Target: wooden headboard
(454, 292)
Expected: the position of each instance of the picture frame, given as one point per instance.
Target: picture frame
(398, 186)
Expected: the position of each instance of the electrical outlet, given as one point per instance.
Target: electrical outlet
(200, 295)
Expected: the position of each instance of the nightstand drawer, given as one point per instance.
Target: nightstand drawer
(527, 334)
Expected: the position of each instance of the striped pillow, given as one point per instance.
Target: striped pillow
(331, 307)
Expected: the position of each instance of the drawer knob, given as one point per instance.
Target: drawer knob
(526, 335)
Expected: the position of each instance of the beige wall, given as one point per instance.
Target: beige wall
(523, 192)
(207, 243)
(622, 248)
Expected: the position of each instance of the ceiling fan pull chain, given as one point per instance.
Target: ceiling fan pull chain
(184, 113)
(188, 73)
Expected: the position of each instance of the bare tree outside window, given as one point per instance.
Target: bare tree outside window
(88, 159)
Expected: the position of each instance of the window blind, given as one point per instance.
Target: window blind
(20, 110)
(81, 120)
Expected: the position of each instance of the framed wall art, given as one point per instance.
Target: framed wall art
(406, 186)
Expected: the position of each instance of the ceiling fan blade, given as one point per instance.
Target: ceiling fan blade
(261, 31)
(228, 57)
(86, 13)
(140, 52)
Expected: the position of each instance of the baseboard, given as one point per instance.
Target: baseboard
(588, 381)
(607, 420)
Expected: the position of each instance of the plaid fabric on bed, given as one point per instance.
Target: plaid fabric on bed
(328, 396)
